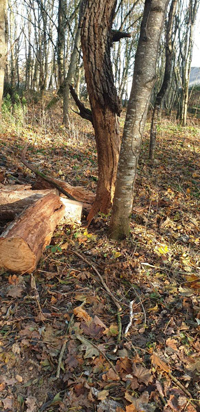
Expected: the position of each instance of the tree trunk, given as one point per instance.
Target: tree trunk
(186, 47)
(143, 82)
(2, 48)
(166, 79)
(96, 39)
(68, 80)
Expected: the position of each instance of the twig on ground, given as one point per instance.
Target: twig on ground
(130, 318)
(180, 385)
(143, 309)
(103, 354)
(37, 297)
(63, 349)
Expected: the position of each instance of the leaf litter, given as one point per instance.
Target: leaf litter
(63, 345)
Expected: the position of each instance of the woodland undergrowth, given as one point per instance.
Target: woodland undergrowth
(100, 325)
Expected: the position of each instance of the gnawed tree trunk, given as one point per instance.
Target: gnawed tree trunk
(23, 242)
(143, 82)
(96, 40)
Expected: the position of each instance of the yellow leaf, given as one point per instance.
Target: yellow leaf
(162, 250)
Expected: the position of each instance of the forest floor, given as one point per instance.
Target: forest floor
(65, 343)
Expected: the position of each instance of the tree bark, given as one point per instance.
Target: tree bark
(166, 79)
(2, 49)
(96, 40)
(23, 242)
(143, 82)
(68, 80)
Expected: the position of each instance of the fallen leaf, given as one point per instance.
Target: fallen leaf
(110, 376)
(142, 374)
(31, 403)
(172, 343)
(8, 402)
(90, 350)
(82, 314)
(102, 395)
(156, 361)
(15, 291)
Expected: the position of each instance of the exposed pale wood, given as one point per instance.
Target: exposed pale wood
(73, 210)
(23, 242)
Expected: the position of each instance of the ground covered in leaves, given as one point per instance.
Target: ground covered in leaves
(105, 326)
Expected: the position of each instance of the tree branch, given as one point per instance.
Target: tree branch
(118, 35)
(84, 112)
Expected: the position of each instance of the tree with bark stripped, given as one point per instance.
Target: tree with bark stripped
(96, 40)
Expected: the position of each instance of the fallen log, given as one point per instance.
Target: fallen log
(76, 193)
(22, 243)
(13, 202)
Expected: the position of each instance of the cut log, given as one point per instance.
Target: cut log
(23, 242)
(13, 202)
(9, 195)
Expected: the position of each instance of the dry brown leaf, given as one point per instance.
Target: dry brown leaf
(31, 404)
(156, 361)
(131, 408)
(15, 291)
(142, 374)
(82, 314)
(124, 365)
(110, 376)
(8, 403)
(102, 395)
(172, 343)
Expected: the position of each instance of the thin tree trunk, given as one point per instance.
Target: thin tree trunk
(71, 71)
(166, 79)
(2, 48)
(143, 82)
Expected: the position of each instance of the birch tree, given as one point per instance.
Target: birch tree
(143, 81)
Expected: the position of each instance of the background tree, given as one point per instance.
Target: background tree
(2, 48)
(186, 34)
(169, 50)
(143, 81)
